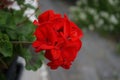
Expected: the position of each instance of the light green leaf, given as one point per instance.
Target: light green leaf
(33, 60)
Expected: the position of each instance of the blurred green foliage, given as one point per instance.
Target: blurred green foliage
(118, 49)
(102, 16)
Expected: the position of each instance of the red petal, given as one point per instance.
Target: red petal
(70, 50)
(45, 16)
(52, 54)
(76, 29)
(36, 23)
(41, 46)
(67, 26)
(53, 65)
(66, 64)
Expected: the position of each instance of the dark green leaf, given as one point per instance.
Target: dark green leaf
(20, 1)
(3, 16)
(6, 47)
(29, 6)
(12, 34)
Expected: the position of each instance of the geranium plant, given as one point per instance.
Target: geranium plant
(16, 35)
(53, 36)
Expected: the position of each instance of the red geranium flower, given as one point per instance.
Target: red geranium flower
(63, 55)
(59, 37)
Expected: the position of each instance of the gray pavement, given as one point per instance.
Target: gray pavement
(95, 61)
(57, 5)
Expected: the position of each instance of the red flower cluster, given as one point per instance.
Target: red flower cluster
(59, 37)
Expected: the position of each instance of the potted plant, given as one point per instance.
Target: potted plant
(16, 35)
(57, 36)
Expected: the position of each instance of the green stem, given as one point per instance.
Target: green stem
(21, 42)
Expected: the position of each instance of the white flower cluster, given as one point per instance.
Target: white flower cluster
(95, 16)
(29, 12)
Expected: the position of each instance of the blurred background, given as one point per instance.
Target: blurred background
(99, 57)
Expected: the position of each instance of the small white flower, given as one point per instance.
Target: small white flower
(82, 16)
(96, 17)
(14, 6)
(91, 27)
(91, 11)
(113, 19)
(33, 3)
(113, 2)
(104, 14)
(100, 22)
(30, 14)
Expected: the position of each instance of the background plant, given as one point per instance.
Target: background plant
(102, 16)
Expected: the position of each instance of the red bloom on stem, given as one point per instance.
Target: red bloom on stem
(59, 37)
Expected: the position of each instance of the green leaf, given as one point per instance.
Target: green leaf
(20, 1)
(6, 48)
(33, 60)
(12, 34)
(18, 16)
(3, 17)
(29, 6)
(26, 31)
